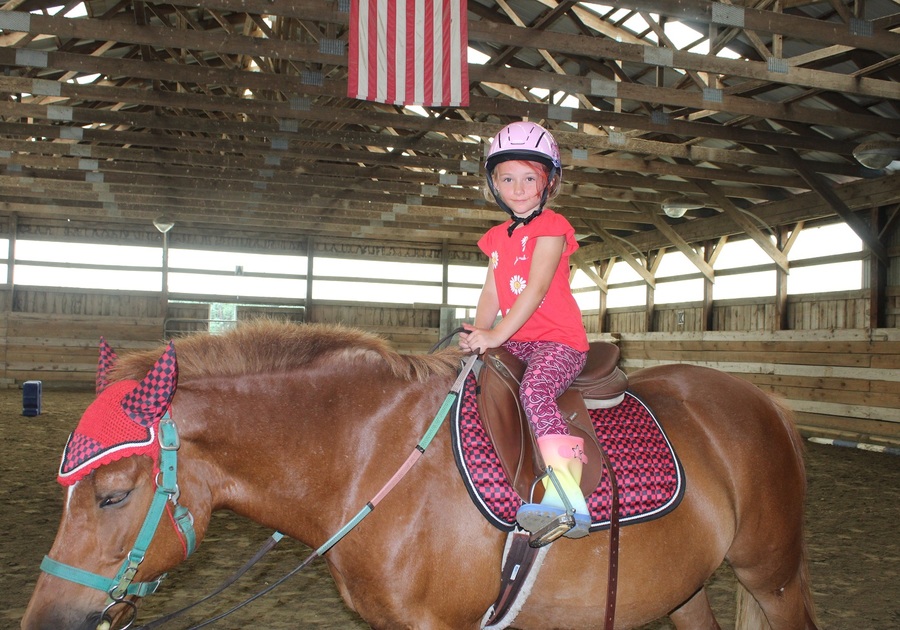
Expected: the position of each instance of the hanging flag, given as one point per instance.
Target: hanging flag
(409, 52)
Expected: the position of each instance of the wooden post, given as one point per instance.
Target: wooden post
(310, 246)
(445, 279)
(878, 272)
(706, 314)
(650, 308)
(164, 292)
(605, 266)
(11, 255)
(780, 316)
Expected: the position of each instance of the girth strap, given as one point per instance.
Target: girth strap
(516, 579)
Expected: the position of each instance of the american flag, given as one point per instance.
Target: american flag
(409, 52)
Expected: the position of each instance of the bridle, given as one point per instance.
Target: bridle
(123, 584)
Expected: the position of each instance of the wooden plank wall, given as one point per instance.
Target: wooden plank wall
(62, 350)
(287, 314)
(51, 335)
(838, 376)
(408, 329)
(841, 382)
(844, 381)
(184, 319)
(892, 306)
(846, 309)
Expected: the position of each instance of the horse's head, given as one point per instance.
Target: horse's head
(118, 472)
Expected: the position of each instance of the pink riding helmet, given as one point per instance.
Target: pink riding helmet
(525, 141)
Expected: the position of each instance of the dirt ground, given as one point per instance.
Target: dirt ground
(853, 533)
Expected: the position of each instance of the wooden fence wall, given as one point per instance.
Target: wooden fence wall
(845, 383)
(838, 310)
(51, 334)
(838, 376)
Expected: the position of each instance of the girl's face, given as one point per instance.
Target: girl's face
(520, 185)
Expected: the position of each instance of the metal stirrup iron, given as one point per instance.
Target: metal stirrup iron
(559, 525)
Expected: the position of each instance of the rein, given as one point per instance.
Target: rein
(123, 584)
(412, 459)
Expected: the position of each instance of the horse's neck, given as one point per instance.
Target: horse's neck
(302, 453)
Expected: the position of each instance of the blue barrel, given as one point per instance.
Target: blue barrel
(31, 398)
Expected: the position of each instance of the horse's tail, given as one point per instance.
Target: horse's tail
(749, 615)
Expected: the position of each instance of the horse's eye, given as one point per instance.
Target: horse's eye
(114, 499)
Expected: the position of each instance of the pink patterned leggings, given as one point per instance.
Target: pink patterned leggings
(551, 369)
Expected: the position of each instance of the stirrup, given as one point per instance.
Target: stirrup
(546, 523)
(552, 522)
(553, 530)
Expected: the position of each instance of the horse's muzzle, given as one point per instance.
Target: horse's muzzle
(62, 619)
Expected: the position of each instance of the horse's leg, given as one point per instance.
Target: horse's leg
(695, 614)
(769, 559)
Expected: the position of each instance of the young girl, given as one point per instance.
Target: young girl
(528, 284)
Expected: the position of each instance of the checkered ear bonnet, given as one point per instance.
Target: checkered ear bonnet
(107, 360)
(123, 419)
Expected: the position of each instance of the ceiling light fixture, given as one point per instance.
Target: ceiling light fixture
(163, 223)
(676, 208)
(877, 154)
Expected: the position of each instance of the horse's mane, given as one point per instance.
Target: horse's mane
(266, 346)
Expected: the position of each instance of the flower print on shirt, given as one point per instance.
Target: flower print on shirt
(523, 257)
(517, 284)
(495, 259)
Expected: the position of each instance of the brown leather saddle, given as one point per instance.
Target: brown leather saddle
(601, 384)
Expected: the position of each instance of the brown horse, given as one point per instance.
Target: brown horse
(297, 427)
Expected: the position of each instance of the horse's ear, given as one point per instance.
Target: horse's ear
(149, 401)
(107, 359)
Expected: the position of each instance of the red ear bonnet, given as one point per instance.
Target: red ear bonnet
(123, 419)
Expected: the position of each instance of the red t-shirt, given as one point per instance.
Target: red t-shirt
(558, 318)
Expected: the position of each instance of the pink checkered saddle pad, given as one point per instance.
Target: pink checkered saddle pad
(649, 475)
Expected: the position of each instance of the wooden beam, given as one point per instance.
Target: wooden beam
(622, 252)
(588, 270)
(791, 26)
(682, 246)
(294, 85)
(750, 228)
(493, 32)
(802, 207)
(825, 190)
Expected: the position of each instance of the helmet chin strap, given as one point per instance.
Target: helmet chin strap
(516, 221)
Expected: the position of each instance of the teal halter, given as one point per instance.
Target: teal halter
(123, 584)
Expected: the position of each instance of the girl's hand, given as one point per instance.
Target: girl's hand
(477, 340)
